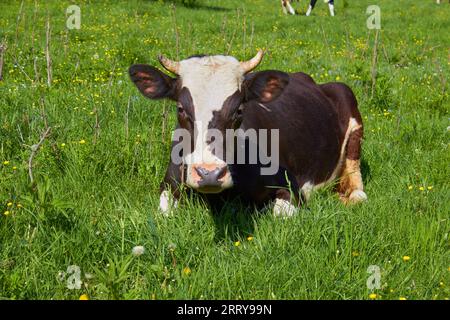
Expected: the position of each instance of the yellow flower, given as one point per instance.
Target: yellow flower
(410, 187)
(84, 297)
(430, 187)
(82, 141)
(406, 258)
(9, 204)
(250, 238)
(19, 205)
(355, 253)
(187, 271)
(63, 145)
(14, 168)
(237, 243)
(373, 296)
(338, 78)
(6, 213)
(402, 298)
(421, 188)
(5, 162)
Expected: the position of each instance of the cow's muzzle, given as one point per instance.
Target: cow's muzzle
(210, 178)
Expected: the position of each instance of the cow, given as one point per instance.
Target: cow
(319, 128)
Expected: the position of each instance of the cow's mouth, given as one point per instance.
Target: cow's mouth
(210, 189)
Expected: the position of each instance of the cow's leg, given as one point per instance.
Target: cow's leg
(311, 7)
(284, 206)
(291, 10)
(283, 5)
(331, 7)
(170, 189)
(351, 184)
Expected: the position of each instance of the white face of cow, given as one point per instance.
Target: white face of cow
(209, 92)
(211, 80)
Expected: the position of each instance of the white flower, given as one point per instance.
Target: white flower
(138, 251)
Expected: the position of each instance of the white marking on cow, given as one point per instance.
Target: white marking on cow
(283, 209)
(307, 189)
(210, 80)
(166, 203)
(357, 196)
(353, 125)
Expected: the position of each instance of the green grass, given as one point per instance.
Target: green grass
(93, 202)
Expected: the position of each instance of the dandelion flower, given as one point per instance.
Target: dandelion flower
(14, 168)
(6, 213)
(187, 271)
(421, 188)
(63, 145)
(410, 187)
(250, 238)
(82, 141)
(84, 297)
(402, 298)
(6, 162)
(9, 204)
(406, 258)
(373, 296)
(19, 205)
(237, 243)
(430, 188)
(138, 251)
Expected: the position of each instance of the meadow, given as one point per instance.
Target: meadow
(96, 174)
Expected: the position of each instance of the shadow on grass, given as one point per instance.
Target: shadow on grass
(209, 8)
(200, 6)
(234, 219)
(365, 171)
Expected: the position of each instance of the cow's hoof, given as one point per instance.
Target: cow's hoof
(167, 203)
(357, 196)
(284, 209)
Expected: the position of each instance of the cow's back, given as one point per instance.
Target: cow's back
(308, 126)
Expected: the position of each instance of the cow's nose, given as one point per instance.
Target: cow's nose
(210, 177)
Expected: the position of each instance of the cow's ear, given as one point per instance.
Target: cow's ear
(152, 83)
(265, 86)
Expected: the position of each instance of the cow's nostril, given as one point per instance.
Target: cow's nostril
(211, 176)
(221, 173)
(202, 172)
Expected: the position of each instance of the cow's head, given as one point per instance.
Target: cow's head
(210, 92)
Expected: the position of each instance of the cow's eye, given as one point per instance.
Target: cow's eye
(180, 109)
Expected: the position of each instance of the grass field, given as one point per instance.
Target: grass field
(96, 177)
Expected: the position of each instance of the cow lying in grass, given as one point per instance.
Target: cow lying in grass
(318, 132)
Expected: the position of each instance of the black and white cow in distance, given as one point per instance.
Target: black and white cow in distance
(319, 130)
